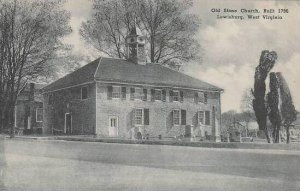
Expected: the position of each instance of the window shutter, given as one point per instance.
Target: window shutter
(181, 96)
(207, 118)
(205, 98)
(144, 94)
(123, 93)
(132, 91)
(196, 97)
(84, 93)
(152, 94)
(169, 121)
(164, 95)
(171, 95)
(50, 99)
(146, 117)
(183, 117)
(133, 118)
(173, 123)
(109, 92)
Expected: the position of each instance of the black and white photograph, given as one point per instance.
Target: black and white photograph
(149, 95)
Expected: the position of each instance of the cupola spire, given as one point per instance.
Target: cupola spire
(135, 45)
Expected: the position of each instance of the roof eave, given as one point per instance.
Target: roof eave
(112, 81)
(62, 88)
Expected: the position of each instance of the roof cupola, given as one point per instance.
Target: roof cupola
(135, 45)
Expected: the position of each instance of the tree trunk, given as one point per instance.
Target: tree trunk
(152, 49)
(11, 121)
(275, 133)
(267, 135)
(288, 134)
(1, 121)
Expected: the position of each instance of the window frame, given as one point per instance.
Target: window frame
(81, 92)
(142, 117)
(36, 114)
(203, 119)
(123, 93)
(178, 96)
(179, 117)
(119, 93)
(201, 97)
(156, 90)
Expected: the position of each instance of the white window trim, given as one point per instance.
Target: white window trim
(203, 117)
(142, 117)
(160, 95)
(86, 92)
(36, 114)
(177, 91)
(179, 122)
(120, 92)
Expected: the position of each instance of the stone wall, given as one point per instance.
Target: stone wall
(160, 113)
(69, 101)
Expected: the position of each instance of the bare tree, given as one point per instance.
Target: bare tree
(247, 112)
(246, 101)
(62, 63)
(30, 35)
(266, 63)
(228, 118)
(107, 28)
(169, 28)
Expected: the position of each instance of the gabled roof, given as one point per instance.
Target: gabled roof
(82, 75)
(122, 71)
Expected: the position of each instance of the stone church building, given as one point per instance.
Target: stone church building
(130, 99)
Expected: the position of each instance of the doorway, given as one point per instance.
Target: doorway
(113, 126)
(68, 123)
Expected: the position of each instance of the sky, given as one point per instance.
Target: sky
(230, 47)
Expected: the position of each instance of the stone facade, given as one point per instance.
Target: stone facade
(68, 101)
(93, 115)
(160, 113)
